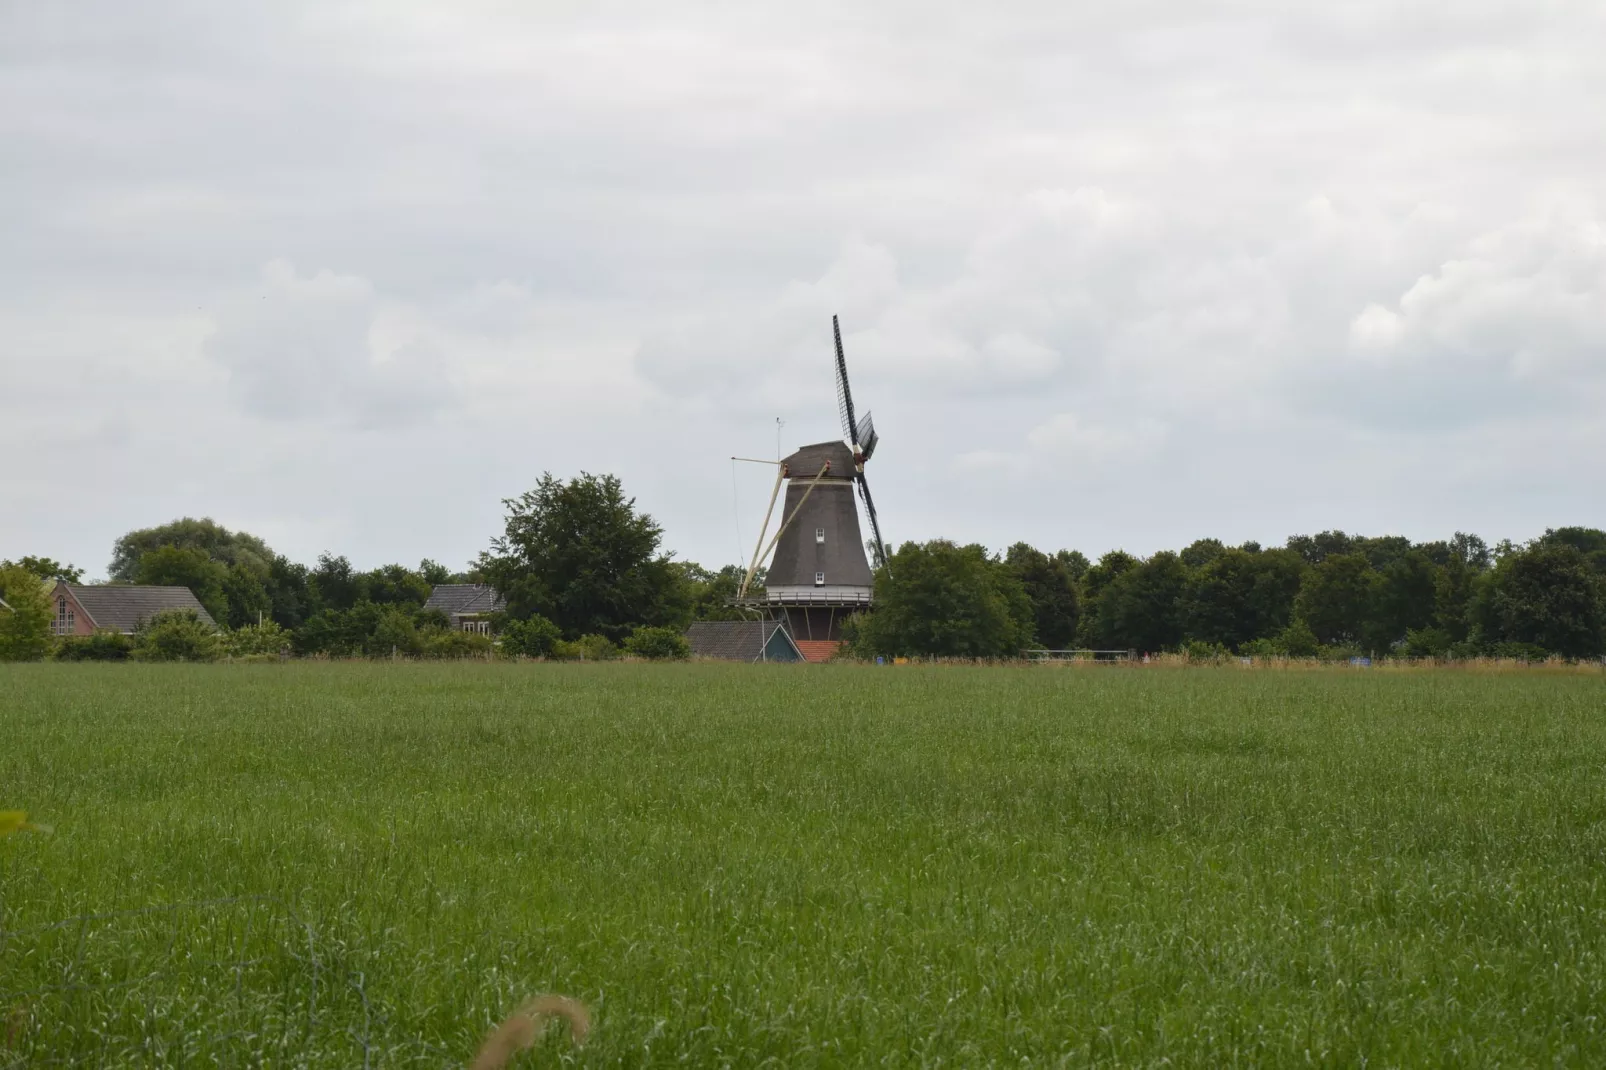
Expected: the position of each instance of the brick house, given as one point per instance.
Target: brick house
(467, 605)
(79, 609)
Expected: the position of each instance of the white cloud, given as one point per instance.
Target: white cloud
(301, 347)
(1312, 247)
(1526, 301)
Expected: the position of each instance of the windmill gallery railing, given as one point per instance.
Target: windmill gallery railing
(813, 596)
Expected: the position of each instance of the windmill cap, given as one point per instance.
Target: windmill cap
(808, 460)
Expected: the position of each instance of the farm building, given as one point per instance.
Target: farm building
(81, 609)
(742, 640)
(467, 605)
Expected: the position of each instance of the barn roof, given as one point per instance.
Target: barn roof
(733, 640)
(463, 598)
(123, 607)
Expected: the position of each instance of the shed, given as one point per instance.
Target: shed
(742, 640)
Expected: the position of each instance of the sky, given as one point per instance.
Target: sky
(347, 275)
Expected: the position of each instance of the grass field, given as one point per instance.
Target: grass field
(339, 864)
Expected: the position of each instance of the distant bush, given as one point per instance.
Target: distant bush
(394, 633)
(176, 635)
(587, 648)
(533, 638)
(264, 638)
(1297, 641)
(658, 644)
(1261, 648)
(446, 643)
(1425, 643)
(1199, 652)
(101, 645)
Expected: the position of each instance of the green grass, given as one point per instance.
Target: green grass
(804, 866)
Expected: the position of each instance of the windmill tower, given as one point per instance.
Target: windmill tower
(819, 574)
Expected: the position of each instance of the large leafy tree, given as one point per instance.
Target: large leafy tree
(187, 533)
(1242, 595)
(946, 600)
(46, 568)
(1406, 599)
(1591, 542)
(173, 566)
(1318, 548)
(25, 626)
(1547, 596)
(239, 591)
(1141, 609)
(1049, 585)
(1096, 580)
(580, 554)
(1337, 597)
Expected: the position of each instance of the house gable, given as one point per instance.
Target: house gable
(79, 609)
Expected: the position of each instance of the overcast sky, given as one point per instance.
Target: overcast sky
(1110, 275)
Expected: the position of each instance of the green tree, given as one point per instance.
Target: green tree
(246, 598)
(46, 568)
(535, 637)
(1218, 604)
(950, 601)
(25, 625)
(1591, 542)
(1095, 581)
(334, 584)
(435, 574)
(1242, 596)
(1074, 562)
(581, 555)
(1141, 609)
(206, 535)
(1461, 560)
(1383, 550)
(1406, 600)
(176, 635)
(256, 639)
(1049, 585)
(1546, 596)
(394, 631)
(1201, 552)
(710, 593)
(1336, 598)
(289, 598)
(174, 566)
(1318, 548)
(657, 644)
(392, 585)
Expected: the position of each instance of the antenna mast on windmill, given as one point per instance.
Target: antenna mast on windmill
(819, 574)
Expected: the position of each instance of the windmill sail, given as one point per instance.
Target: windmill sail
(844, 394)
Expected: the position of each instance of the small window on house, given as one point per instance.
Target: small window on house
(819, 534)
(819, 579)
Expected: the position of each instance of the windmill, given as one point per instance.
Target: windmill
(819, 574)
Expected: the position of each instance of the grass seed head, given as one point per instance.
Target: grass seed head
(523, 1027)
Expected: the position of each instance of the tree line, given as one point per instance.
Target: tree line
(583, 574)
(1331, 594)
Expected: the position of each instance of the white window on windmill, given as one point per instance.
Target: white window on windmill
(819, 579)
(819, 535)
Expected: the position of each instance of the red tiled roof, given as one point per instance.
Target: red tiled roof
(818, 649)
